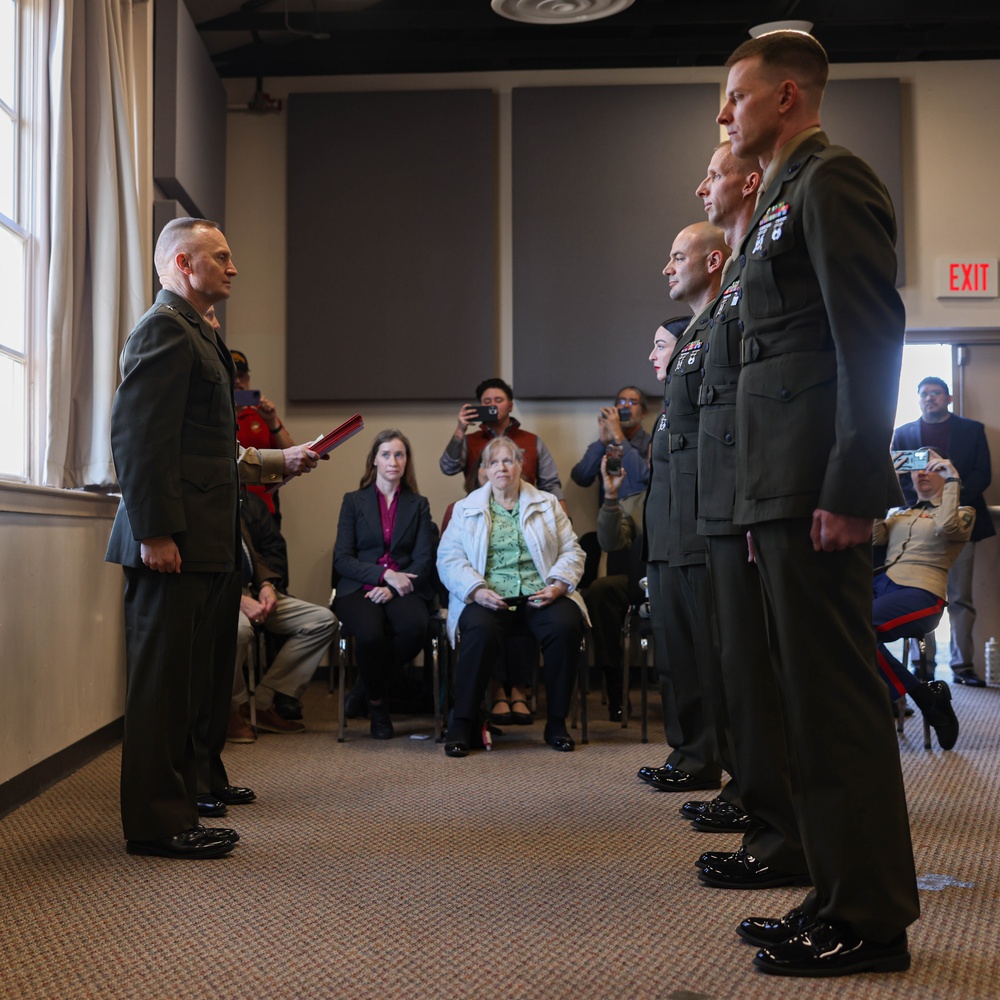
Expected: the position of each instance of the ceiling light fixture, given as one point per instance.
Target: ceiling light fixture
(763, 29)
(558, 11)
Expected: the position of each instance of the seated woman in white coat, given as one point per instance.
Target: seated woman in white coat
(511, 563)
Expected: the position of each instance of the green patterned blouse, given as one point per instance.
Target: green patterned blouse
(510, 570)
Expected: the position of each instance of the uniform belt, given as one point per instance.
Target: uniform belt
(752, 349)
(678, 442)
(716, 394)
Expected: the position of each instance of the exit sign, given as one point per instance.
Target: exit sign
(966, 277)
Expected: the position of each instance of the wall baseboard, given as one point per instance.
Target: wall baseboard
(25, 786)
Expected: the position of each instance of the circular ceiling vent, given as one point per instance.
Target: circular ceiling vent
(558, 11)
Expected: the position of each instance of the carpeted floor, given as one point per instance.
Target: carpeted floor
(385, 869)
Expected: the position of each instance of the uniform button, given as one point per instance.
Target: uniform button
(666, 402)
(792, 167)
(763, 251)
(739, 325)
(707, 348)
(668, 379)
(701, 372)
(785, 394)
(711, 323)
(728, 439)
(743, 260)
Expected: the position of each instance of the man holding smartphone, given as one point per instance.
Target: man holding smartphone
(462, 453)
(622, 438)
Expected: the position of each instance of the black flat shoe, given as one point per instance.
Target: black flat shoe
(825, 948)
(456, 748)
(524, 718)
(766, 931)
(744, 871)
(193, 844)
(209, 805)
(501, 718)
(234, 795)
(559, 740)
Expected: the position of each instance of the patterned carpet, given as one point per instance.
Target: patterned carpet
(385, 869)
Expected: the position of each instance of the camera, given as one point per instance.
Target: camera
(907, 461)
(613, 465)
(246, 397)
(486, 414)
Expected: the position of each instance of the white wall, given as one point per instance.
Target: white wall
(950, 153)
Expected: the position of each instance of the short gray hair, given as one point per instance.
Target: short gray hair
(495, 445)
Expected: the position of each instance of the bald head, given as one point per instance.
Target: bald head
(694, 270)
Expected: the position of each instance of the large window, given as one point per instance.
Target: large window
(14, 229)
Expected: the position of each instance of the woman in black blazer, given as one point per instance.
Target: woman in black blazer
(384, 558)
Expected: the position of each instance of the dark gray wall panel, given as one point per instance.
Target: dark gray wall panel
(189, 116)
(391, 244)
(864, 116)
(604, 179)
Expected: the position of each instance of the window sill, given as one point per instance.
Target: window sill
(20, 498)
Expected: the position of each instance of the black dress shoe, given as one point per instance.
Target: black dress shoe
(456, 748)
(967, 675)
(766, 931)
(194, 843)
(209, 805)
(648, 773)
(940, 714)
(826, 948)
(559, 739)
(694, 808)
(287, 707)
(234, 795)
(223, 832)
(674, 779)
(381, 724)
(744, 871)
(721, 817)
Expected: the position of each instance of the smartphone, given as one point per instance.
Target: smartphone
(486, 414)
(246, 397)
(624, 414)
(517, 602)
(907, 461)
(613, 466)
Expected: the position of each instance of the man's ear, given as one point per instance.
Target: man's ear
(788, 96)
(751, 184)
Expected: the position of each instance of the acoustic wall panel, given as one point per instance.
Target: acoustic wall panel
(391, 244)
(604, 179)
(189, 116)
(864, 116)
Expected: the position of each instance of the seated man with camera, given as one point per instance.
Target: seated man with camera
(624, 440)
(493, 411)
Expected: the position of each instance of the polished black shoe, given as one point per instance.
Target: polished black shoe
(209, 805)
(965, 674)
(234, 795)
(648, 773)
(825, 948)
(674, 779)
(714, 857)
(694, 808)
(720, 816)
(744, 871)
(197, 842)
(940, 714)
(381, 724)
(287, 707)
(766, 931)
(559, 739)
(456, 748)
(223, 832)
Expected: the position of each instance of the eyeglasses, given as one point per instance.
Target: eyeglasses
(628, 402)
(931, 393)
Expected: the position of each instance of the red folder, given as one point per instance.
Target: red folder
(325, 443)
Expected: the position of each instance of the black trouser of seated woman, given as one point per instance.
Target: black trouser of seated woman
(386, 636)
(558, 627)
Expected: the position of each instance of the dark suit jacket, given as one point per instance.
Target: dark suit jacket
(823, 340)
(359, 541)
(969, 452)
(173, 437)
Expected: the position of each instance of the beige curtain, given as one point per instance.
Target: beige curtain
(95, 280)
